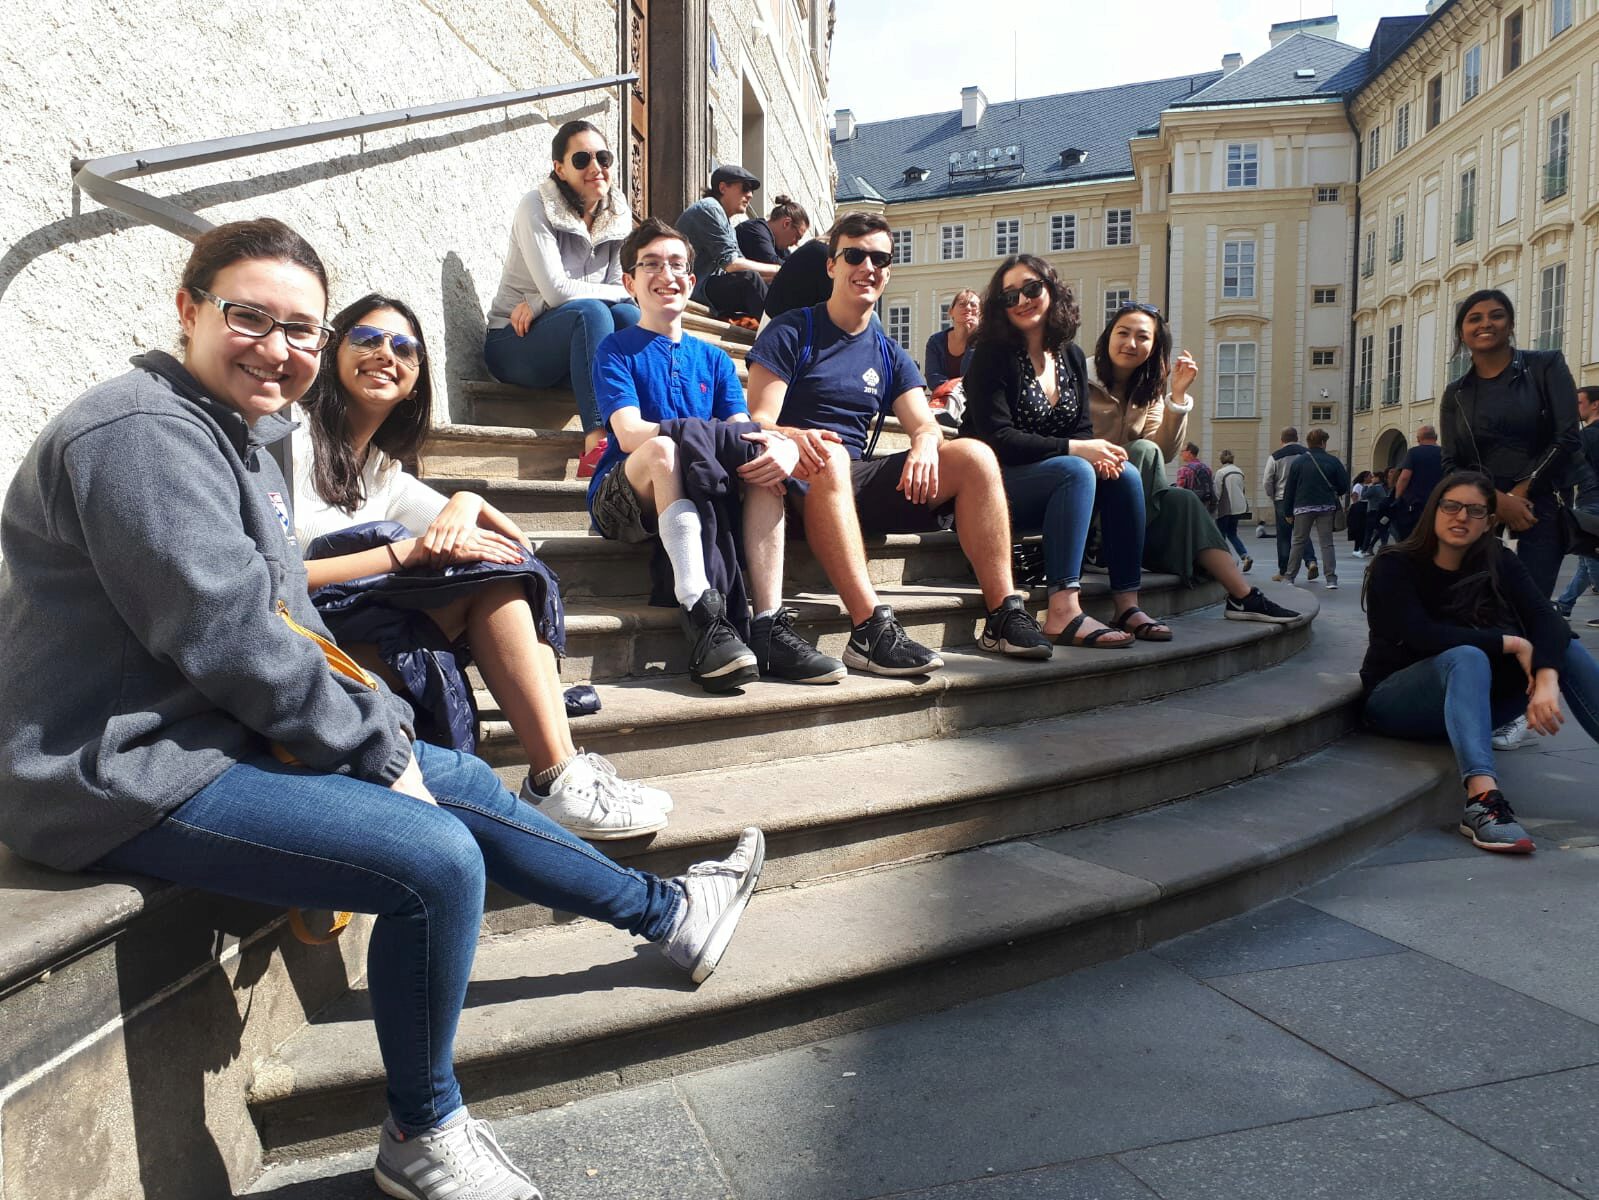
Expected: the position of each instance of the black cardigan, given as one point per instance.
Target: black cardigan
(993, 384)
(1535, 375)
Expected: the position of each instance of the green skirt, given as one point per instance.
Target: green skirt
(1176, 525)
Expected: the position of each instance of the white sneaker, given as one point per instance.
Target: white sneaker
(583, 800)
(458, 1160)
(628, 789)
(1511, 736)
(715, 896)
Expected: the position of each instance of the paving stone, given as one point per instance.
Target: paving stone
(1285, 934)
(1415, 1024)
(1549, 1122)
(1114, 1057)
(1397, 1152)
(1425, 845)
(1097, 1179)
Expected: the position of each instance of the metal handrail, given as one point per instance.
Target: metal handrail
(97, 177)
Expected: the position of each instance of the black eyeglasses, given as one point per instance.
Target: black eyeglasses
(582, 158)
(1477, 512)
(855, 256)
(1127, 306)
(253, 322)
(1032, 289)
(369, 339)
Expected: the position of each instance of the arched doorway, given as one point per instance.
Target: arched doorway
(1389, 450)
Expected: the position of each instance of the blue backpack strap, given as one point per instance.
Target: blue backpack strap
(804, 359)
(888, 382)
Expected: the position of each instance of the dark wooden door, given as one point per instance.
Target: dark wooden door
(637, 48)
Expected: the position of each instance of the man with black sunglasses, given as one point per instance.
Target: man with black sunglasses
(823, 376)
(733, 286)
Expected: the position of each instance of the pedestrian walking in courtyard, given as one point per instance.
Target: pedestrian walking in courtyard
(1587, 502)
(1232, 505)
(1419, 473)
(1314, 495)
(1273, 481)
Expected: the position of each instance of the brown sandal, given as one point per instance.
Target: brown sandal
(1150, 631)
(1090, 640)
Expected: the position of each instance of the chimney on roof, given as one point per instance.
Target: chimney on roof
(1231, 62)
(843, 125)
(973, 105)
(1326, 27)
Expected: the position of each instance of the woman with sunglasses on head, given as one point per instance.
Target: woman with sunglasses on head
(368, 412)
(193, 731)
(1131, 372)
(1464, 639)
(1027, 398)
(560, 292)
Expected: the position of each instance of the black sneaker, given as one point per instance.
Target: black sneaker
(1255, 607)
(719, 662)
(783, 654)
(1010, 629)
(880, 646)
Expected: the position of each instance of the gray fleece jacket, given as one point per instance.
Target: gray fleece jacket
(147, 547)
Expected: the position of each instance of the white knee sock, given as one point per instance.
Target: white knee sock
(681, 535)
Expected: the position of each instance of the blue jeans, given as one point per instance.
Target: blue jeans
(1058, 496)
(1587, 576)
(559, 348)
(1448, 695)
(1229, 530)
(295, 838)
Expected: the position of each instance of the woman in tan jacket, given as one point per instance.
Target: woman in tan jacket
(1131, 405)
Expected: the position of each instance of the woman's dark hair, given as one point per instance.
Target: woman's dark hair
(1471, 302)
(787, 206)
(1148, 381)
(558, 145)
(335, 471)
(1060, 322)
(239, 241)
(1476, 600)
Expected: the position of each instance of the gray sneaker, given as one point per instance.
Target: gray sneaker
(458, 1160)
(1490, 824)
(715, 895)
(1512, 735)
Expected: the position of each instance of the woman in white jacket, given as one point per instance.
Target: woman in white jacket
(1232, 502)
(561, 292)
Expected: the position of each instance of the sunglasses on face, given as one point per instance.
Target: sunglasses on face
(582, 158)
(1032, 289)
(1128, 306)
(252, 322)
(369, 339)
(855, 256)
(1477, 512)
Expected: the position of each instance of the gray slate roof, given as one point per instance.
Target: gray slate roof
(872, 165)
(1340, 70)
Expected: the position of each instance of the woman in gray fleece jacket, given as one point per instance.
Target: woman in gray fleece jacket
(194, 731)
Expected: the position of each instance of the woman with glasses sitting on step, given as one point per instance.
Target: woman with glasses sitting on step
(189, 719)
(416, 584)
(1463, 639)
(1140, 402)
(561, 292)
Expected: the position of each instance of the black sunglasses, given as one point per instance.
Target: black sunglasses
(1032, 289)
(582, 158)
(1127, 306)
(855, 256)
(369, 339)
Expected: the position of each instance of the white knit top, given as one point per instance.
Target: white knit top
(391, 494)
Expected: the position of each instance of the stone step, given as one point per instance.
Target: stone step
(555, 1014)
(557, 505)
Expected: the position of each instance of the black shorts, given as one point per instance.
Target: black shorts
(882, 508)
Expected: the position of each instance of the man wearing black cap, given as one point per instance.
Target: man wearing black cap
(733, 286)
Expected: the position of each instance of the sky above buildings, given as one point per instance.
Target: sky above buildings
(897, 58)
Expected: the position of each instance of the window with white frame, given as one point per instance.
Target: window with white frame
(897, 323)
(1466, 213)
(1394, 365)
(1114, 299)
(1007, 236)
(1235, 379)
(1459, 362)
(1321, 414)
(1063, 231)
(943, 315)
(1554, 171)
(1324, 357)
(1119, 227)
(1559, 17)
(902, 246)
(1514, 25)
(952, 243)
(1243, 164)
(1373, 149)
(1471, 73)
(1238, 270)
(1435, 101)
(1363, 379)
(1326, 195)
(1396, 243)
(1552, 308)
(1324, 295)
(1401, 128)
(1368, 261)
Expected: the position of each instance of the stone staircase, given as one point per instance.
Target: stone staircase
(928, 841)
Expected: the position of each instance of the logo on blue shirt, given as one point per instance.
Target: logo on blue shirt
(871, 378)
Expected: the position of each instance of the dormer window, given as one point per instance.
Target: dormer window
(1072, 157)
(916, 174)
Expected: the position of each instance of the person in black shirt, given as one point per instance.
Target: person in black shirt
(802, 281)
(771, 240)
(1418, 475)
(1587, 574)
(1462, 639)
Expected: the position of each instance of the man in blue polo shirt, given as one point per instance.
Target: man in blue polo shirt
(822, 376)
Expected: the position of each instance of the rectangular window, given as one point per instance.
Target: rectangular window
(1114, 299)
(1471, 74)
(1119, 227)
(1466, 214)
(1363, 379)
(1554, 171)
(1435, 102)
(1459, 362)
(952, 243)
(1373, 149)
(1243, 164)
(943, 316)
(902, 246)
(1559, 17)
(1401, 128)
(1007, 236)
(1326, 195)
(898, 325)
(1324, 295)
(1396, 244)
(1063, 231)
(1394, 365)
(1324, 358)
(1235, 379)
(1238, 270)
(1321, 414)
(1368, 261)
(1552, 308)
(1513, 27)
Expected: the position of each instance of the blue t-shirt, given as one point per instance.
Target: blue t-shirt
(842, 388)
(1425, 462)
(636, 368)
